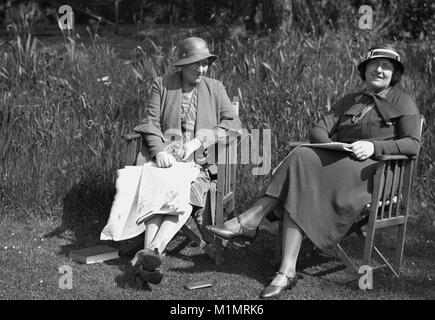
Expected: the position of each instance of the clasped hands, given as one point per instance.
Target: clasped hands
(362, 150)
(177, 152)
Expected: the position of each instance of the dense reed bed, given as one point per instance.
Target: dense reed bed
(63, 109)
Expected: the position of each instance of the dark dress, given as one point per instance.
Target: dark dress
(324, 191)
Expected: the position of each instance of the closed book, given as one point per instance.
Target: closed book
(94, 254)
(339, 146)
(330, 145)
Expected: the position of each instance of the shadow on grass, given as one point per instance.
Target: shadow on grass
(126, 280)
(86, 208)
(255, 261)
(87, 205)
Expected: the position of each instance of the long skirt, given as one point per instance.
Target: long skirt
(323, 191)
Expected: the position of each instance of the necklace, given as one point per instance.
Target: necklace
(359, 116)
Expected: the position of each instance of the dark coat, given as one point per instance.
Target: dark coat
(393, 125)
(324, 191)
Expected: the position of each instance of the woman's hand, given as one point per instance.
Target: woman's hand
(189, 148)
(362, 149)
(164, 159)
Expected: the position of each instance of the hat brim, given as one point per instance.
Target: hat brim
(397, 64)
(195, 58)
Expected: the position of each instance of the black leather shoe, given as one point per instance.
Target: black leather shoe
(243, 235)
(148, 259)
(272, 217)
(141, 276)
(272, 291)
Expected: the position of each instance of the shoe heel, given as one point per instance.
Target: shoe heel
(154, 277)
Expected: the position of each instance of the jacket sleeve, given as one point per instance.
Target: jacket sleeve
(228, 120)
(408, 131)
(324, 130)
(150, 126)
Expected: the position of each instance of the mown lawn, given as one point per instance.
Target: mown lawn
(32, 252)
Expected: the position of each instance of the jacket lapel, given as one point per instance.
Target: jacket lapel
(385, 107)
(172, 112)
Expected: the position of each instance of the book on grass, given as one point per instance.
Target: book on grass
(94, 254)
(329, 145)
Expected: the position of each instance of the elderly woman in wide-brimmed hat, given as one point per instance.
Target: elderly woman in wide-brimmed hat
(188, 107)
(319, 192)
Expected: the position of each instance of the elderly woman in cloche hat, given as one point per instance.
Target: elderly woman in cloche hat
(190, 107)
(319, 193)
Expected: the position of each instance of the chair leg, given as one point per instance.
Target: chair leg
(218, 220)
(218, 251)
(200, 242)
(346, 260)
(399, 249)
(368, 245)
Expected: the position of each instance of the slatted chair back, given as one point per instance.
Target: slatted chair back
(389, 208)
(226, 184)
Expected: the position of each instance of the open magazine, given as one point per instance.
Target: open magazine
(329, 145)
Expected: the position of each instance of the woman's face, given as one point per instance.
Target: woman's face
(378, 73)
(192, 73)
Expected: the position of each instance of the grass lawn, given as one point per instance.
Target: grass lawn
(32, 252)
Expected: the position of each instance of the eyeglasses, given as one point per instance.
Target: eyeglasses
(385, 65)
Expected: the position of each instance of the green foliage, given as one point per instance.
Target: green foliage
(64, 121)
(399, 18)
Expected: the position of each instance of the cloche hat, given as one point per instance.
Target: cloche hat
(192, 50)
(383, 51)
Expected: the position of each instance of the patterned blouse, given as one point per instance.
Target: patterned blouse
(188, 114)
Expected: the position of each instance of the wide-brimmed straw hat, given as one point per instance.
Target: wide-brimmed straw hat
(383, 51)
(192, 50)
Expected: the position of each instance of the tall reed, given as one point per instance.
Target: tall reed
(63, 110)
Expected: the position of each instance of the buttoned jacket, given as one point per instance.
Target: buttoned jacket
(393, 124)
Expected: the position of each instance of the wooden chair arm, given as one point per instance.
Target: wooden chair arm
(395, 157)
(131, 136)
(133, 141)
(294, 144)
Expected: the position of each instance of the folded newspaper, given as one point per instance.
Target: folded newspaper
(142, 191)
(168, 207)
(165, 190)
